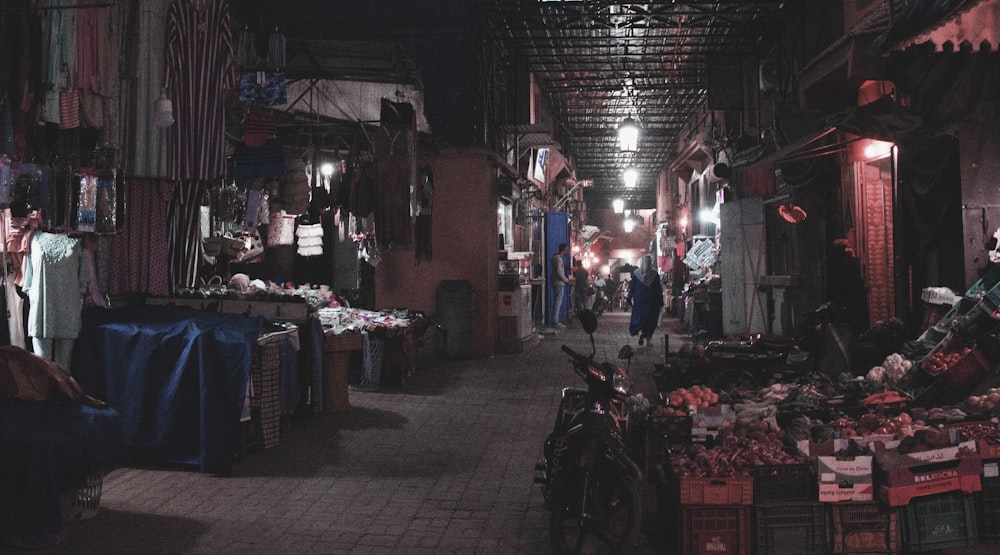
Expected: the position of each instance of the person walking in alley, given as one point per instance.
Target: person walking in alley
(646, 295)
(559, 281)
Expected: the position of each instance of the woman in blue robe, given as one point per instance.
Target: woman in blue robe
(646, 295)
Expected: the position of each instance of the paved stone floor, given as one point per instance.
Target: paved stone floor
(441, 465)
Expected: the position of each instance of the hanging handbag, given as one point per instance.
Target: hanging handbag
(253, 246)
(281, 230)
(212, 245)
(233, 247)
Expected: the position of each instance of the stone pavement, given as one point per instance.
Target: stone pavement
(441, 465)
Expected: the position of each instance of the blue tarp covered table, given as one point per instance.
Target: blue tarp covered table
(48, 448)
(178, 377)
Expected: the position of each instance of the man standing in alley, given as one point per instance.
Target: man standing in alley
(581, 288)
(559, 281)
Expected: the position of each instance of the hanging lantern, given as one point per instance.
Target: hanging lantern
(630, 177)
(618, 205)
(628, 136)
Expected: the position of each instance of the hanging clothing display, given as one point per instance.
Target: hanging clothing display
(199, 70)
(145, 65)
(138, 259)
(310, 239)
(395, 173)
(55, 280)
(422, 230)
(59, 52)
(264, 161)
(97, 75)
(185, 234)
(262, 81)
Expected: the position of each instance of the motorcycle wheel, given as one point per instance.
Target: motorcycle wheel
(614, 516)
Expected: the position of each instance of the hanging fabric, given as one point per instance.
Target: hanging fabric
(138, 259)
(185, 238)
(422, 229)
(199, 71)
(395, 173)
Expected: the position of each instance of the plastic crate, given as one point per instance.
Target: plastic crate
(989, 280)
(863, 528)
(791, 528)
(716, 529)
(663, 434)
(716, 491)
(968, 372)
(939, 521)
(977, 322)
(783, 482)
(988, 511)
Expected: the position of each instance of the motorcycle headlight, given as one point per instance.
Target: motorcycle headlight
(622, 384)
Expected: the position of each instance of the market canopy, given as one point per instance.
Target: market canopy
(346, 80)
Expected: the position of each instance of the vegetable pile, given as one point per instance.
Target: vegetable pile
(742, 447)
(988, 402)
(940, 362)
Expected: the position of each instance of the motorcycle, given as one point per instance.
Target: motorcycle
(589, 481)
(600, 303)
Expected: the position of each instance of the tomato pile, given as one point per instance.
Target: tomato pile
(940, 362)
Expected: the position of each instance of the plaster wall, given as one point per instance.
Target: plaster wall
(464, 245)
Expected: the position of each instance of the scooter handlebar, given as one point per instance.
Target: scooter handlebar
(570, 352)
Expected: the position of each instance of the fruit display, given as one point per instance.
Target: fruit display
(696, 396)
(940, 361)
(988, 402)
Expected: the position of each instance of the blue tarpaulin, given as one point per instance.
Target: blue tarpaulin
(178, 378)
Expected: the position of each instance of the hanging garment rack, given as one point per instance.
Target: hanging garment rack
(67, 7)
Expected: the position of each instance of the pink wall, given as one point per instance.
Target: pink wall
(464, 244)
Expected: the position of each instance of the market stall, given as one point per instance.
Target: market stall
(892, 448)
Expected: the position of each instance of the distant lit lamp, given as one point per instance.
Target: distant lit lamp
(326, 170)
(619, 205)
(628, 136)
(630, 177)
(628, 224)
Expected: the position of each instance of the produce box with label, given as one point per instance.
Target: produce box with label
(845, 479)
(902, 477)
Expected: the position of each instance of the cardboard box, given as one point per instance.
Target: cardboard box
(987, 449)
(707, 421)
(814, 449)
(850, 479)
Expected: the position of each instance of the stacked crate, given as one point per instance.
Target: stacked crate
(788, 520)
(715, 515)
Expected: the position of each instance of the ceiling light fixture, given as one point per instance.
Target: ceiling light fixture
(628, 224)
(628, 136)
(630, 177)
(619, 205)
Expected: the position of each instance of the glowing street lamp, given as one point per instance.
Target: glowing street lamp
(630, 177)
(628, 136)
